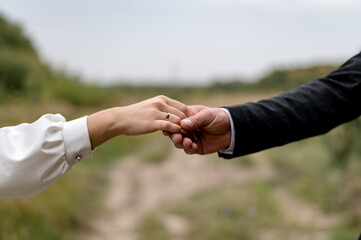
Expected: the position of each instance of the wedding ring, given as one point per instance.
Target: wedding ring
(167, 116)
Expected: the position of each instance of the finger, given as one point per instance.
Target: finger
(166, 104)
(167, 116)
(196, 108)
(190, 146)
(173, 110)
(166, 126)
(180, 106)
(172, 118)
(177, 140)
(187, 143)
(183, 131)
(166, 133)
(188, 151)
(199, 120)
(194, 147)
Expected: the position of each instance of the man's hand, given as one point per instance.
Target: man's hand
(208, 131)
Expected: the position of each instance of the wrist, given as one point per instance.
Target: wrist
(117, 124)
(229, 136)
(104, 125)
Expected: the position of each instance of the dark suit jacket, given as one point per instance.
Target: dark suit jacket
(311, 109)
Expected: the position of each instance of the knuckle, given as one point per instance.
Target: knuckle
(158, 103)
(196, 118)
(185, 109)
(177, 121)
(169, 126)
(182, 115)
(163, 125)
(178, 146)
(161, 98)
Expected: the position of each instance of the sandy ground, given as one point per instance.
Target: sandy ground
(137, 188)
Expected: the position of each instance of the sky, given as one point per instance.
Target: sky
(188, 41)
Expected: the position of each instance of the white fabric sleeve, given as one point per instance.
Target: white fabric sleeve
(34, 156)
(230, 149)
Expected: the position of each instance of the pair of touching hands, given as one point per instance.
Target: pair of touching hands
(196, 129)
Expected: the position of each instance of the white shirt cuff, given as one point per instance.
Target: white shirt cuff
(76, 140)
(230, 149)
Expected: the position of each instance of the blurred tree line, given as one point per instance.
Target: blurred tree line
(24, 75)
(277, 80)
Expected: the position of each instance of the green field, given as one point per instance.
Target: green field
(313, 188)
(143, 188)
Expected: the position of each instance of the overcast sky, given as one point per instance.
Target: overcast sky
(188, 41)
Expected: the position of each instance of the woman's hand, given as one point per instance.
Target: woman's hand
(140, 118)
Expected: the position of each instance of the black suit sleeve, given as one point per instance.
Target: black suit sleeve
(309, 110)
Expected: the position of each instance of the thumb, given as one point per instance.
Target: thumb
(199, 120)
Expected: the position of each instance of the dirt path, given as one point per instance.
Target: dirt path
(137, 188)
(303, 215)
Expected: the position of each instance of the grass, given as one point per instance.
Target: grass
(245, 161)
(60, 209)
(307, 168)
(243, 212)
(233, 212)
(156, 150)
(151, 227)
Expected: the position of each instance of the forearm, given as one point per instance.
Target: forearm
(309, 110)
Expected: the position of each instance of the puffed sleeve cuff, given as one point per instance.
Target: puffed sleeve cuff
(76, 140)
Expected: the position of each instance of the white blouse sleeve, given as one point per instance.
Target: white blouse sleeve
(34, 156)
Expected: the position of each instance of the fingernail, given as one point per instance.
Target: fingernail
(188, 122)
